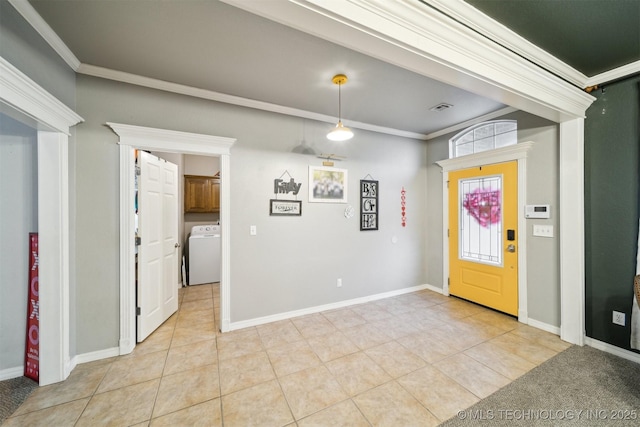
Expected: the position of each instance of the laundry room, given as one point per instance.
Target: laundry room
(201, 194)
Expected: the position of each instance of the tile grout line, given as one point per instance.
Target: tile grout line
(155, 400)
(397, 315)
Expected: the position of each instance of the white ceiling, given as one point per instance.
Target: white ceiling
(210, 45)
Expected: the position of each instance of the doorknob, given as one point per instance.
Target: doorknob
(177, 245)
(511, 248)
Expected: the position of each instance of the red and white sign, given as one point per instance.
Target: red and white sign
(32, 348)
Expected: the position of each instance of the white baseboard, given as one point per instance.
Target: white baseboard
(434, 289)
(96, 355)
(7, 374)
(617, 351)
(544, 326)
(326, 307)
(69, 366)
(18, 371)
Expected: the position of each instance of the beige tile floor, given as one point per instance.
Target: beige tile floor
(414, 359)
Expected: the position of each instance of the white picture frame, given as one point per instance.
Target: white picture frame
(327, 184)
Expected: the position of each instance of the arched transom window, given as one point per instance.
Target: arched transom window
(483, 137)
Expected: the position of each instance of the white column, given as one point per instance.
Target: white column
(572, 277)
(53, 242)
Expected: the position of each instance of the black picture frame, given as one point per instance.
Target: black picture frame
(285, 207)
(369, 209)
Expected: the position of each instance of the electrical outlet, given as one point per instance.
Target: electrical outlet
(618, 318)
(339, 283)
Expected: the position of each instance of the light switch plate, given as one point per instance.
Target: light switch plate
(253, 230)
(543, 230)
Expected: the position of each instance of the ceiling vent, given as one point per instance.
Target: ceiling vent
(441, 107)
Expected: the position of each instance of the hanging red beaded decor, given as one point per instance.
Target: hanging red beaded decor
(403, 205)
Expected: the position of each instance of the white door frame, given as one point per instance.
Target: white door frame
(517, 152)
(168, 141)
(53, 120)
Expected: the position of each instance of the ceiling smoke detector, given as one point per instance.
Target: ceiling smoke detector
(441, 107)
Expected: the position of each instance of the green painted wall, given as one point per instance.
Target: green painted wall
(612, 158)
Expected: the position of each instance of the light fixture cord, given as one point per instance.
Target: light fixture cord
(339, 102)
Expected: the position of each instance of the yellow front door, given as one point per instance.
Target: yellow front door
(483, 232)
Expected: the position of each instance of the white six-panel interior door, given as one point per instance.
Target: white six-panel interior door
(157, 292)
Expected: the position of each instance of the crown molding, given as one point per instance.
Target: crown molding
(616, 74)
(421, 38)
(25, 95)
(433, 33)
(27, 11)
(123, 77)
(494, 30)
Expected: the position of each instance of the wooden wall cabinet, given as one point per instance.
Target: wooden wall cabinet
(201, 194)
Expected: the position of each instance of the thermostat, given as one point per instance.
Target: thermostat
(537, 211)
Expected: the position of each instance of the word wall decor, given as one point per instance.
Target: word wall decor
(285, 207)
(368, 205)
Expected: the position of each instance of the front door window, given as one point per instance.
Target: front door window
(480, 219)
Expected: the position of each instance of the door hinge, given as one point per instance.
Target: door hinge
(447, 184)
(447, 232)
(138, 170)
(138, 311)
(448, 281)
(138, 241)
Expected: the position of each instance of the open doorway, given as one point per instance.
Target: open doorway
(130, 138)
(176, 194)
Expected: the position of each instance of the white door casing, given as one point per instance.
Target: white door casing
(53, 120)
(167, 141)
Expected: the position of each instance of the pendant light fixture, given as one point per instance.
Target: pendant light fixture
(340, 132)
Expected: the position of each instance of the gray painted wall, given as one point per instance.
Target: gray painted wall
(543, 256)
(23, 47)
(18, 217)
(292, 263)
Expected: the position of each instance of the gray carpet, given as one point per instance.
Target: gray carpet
(12, 393)
(581, 386)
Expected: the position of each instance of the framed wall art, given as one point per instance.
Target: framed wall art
(285, 207)
(327, 184)
(368, 205)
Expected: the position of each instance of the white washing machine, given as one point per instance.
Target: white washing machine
(204, 254)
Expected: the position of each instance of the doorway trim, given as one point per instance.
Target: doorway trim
(169, 141)
(517, 152)
(52, 119)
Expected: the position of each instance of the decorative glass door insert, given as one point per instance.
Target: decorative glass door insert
(480, 220)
